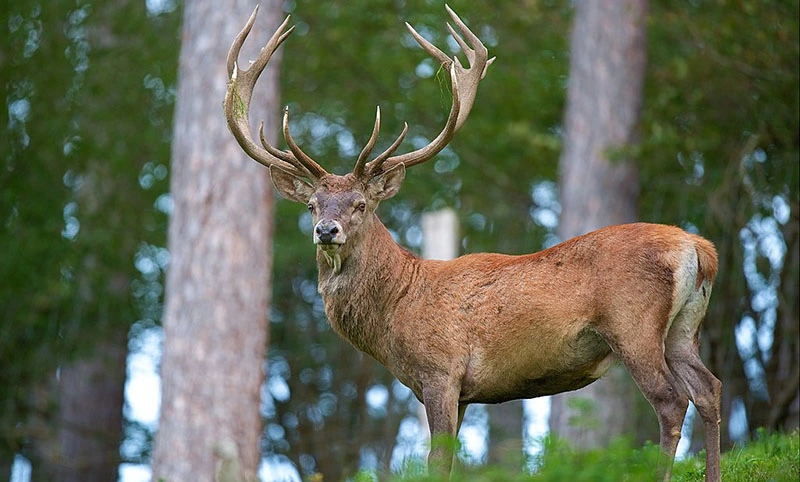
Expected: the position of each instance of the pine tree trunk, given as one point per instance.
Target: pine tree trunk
(598, 187)
(77, 431)
(218, 282)
(90, 413)
(505, 434)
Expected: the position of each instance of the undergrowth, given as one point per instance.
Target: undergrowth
(768, 458)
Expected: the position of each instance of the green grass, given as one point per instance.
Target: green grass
(769, 458)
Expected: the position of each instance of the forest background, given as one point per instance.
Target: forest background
(85, 200)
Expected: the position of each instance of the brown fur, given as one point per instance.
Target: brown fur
(707, 260)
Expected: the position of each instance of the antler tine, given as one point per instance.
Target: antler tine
(240, 93)
(236, 46)
(305, 161)
(283, 155)
(362, 158)
(433, 50)
(374, 167)
(464, 82)
(478, 55)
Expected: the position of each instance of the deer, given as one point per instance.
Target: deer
(485, 327)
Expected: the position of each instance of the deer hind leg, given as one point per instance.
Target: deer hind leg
(700, 385)
(643, 356)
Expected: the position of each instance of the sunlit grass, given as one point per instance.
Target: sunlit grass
(771, 457)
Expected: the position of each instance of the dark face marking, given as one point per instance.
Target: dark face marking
(336, 206)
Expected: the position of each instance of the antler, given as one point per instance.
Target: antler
(361, 162)
(465, 86)
(237, 108)
(240, 91)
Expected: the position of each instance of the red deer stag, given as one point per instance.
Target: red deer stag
(487, 328)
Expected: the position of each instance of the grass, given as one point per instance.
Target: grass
(771, 457)
(768, 458)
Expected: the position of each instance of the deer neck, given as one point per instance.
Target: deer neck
(373, 274)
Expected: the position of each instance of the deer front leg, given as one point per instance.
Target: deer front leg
(444, 414)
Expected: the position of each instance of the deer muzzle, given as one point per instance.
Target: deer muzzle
(329, 233)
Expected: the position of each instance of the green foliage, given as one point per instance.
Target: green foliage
(619, 461)
(88, 121)
(722, 84)
(770, 458)
(583, 413)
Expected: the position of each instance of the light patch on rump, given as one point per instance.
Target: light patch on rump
(685, 272)
(690, 316)
(690, 301)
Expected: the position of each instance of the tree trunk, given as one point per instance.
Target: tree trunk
(90, 413)
(505, 434)
(218, 282)
(76, 434)
(785, 365)
(598, 186)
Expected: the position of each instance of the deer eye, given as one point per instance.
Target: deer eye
(310, 207)
(362, 206)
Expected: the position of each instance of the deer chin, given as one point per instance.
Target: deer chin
(332, 255)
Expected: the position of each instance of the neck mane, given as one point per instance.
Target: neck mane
(375, 274)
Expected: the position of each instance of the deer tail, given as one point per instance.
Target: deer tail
(706, 261)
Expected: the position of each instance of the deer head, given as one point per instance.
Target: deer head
(342, 205)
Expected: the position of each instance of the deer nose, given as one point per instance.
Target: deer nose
(326, 231)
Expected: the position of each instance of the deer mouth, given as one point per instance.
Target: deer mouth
(332, 246)
(330, 242)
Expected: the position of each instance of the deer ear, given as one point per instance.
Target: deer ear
(386, 185)
(290, 186)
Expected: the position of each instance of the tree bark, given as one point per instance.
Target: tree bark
(90, 413)
(598, 186)
(76, 434)
(218, 282)
(785, 367)
(505, 434)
